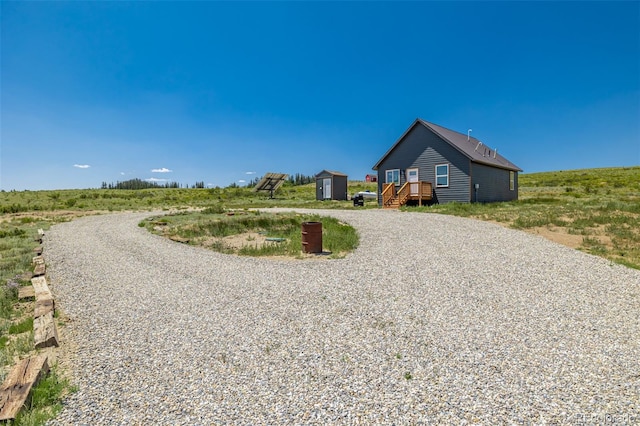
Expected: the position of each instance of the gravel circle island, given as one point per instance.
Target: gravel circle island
(433, 320)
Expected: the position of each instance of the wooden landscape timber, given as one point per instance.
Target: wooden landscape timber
(45, 332)
(17, 393)
(178, 239)
(41, 288)
(16, 389)
(26, 292)
(38, 238)
(39, 270)
(43, 307)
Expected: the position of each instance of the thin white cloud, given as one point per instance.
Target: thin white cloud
(162, 170)
(155, 180)
(242, 181)
(250, 173)
(81, 166)
(122, 173)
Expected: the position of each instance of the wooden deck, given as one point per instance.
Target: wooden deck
(421, 192)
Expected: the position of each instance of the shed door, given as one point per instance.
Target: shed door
(326, 188)
(412, 178)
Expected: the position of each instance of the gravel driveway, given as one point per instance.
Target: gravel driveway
(434, 319)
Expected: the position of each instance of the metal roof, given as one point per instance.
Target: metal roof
(330, 172)
(471, 147)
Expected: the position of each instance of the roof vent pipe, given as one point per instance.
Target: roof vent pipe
(478, 146)
(469, 135)
(495, 152)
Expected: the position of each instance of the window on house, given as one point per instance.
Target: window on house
(512, 180)
(442, 175)
(393, 176)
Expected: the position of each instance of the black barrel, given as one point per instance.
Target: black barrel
(312, 237)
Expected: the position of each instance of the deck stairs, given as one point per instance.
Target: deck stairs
(417, 191)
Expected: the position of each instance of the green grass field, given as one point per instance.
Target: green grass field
(253, 233)
(74, 201)
(595, 210)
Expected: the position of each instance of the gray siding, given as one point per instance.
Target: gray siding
(319, 195)
(339, 188)
(494, 184)
(424, 149)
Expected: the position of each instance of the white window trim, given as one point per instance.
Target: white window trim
(386, 176)
(512, 180)
(437, 175)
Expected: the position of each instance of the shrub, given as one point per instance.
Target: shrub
(214, 209)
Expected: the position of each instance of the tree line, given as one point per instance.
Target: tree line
(144, 184)
(300, 179)
(293, 180)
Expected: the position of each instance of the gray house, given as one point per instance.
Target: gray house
(331, 185)
(433, 164)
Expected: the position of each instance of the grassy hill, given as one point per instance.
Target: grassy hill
(605, 179)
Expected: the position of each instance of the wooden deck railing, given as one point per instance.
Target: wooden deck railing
(404, 193)
(417, 191)
(425, 190)
(388, 193)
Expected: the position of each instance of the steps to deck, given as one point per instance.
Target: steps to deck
(419, 192)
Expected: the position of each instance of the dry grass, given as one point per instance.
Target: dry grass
(596, 210)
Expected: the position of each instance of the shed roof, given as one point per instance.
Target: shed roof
(472, 148)
(330, 172)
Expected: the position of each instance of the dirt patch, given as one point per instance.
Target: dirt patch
(558, 235)
(238, 241)
(562, 236)
(51, 215)
(255, 239)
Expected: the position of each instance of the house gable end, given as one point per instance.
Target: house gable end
(423, 149)
(393, 147)
(469, 146)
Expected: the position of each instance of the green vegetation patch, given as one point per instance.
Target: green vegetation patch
(17, 232)
(601, 205)
(253, 233)
(23, 326)
(16, 254)
(94, 200)
(45, 402)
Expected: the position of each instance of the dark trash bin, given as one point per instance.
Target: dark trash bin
(358, 200)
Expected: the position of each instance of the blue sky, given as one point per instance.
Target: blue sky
(222, 92)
